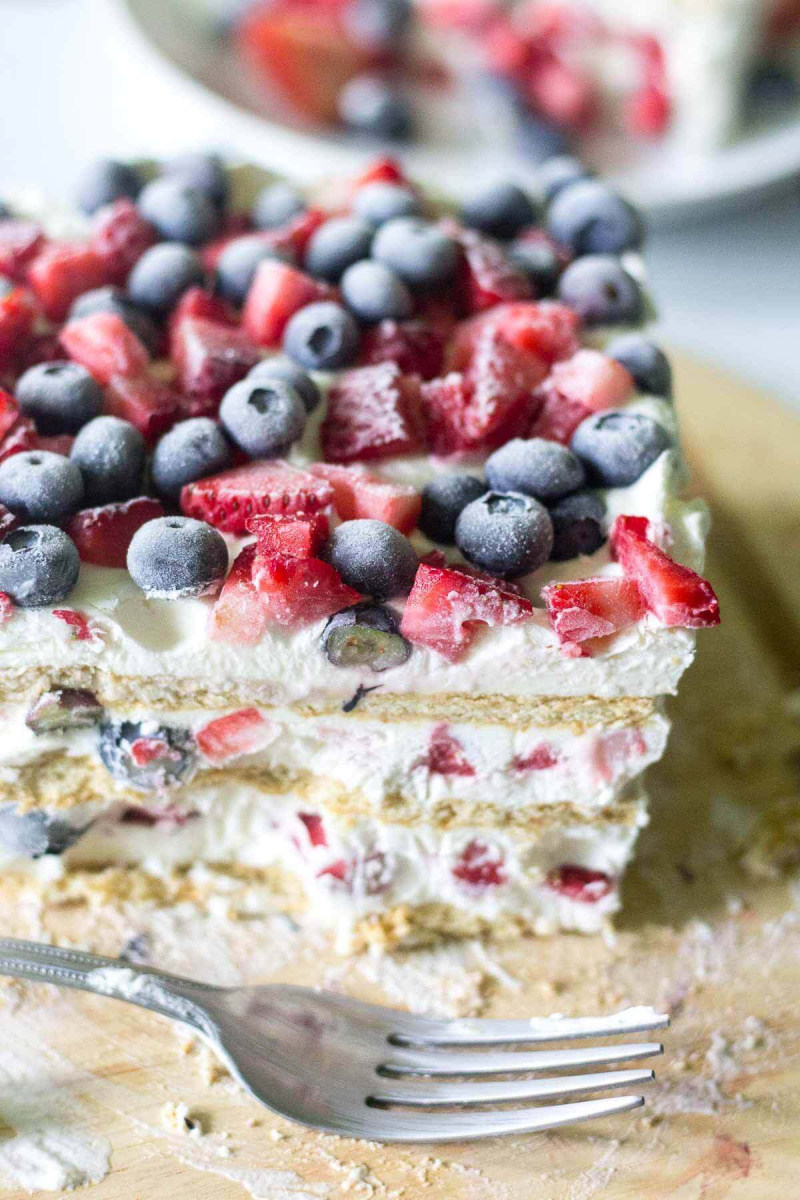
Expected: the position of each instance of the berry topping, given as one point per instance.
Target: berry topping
(314, 827)
(372, 557)
(239, 616)
(60, 396)
(416, 250)
(558, 173)
(443, 501)
(278, 292)
(7, 608)
(487, 276)
(151, 406)
(65, 708)
(263, 417)
(17, 315)
(299, 591)
(590, 608)
(359, 495)
(145, 756)
(646, 363)
(577, 525)
(558, 417)
(382, 201)
(617, 447)
(61, 272)
(162, 275)
(275, 205)
(120, 236)
(322, 336)
(446, 754)
(20, 242)
(542, 758)
(110, 454)
(506, 534)
(589, 218)
(210, 359)
(9, 413)
(539, 263)
(536, 467)
(499, 209)
(173, 557)
(480, 866)
(373, 106)
(103, 535)
(601, 291)
(204, 172)
(114, 300)
(373, 412)
(297, 536)
(180, 212)
(34, 834)
(22, 436)
(592, 379)
(39, 565)
(242, 732)
(446, 607)
(579, 883)
(673, 593)
(545, 329)
(336, 245)
(199, 303)
(366, 635)
(105, 346)
(40, 487)
(227, 501)
(416, 346)
(303, 384)
(105, 181)
(375, 293)
(238, 263)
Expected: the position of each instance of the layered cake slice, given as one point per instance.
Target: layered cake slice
(344, 562)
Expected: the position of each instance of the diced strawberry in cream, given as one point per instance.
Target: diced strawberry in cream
(542, 758)
(314, 828)
(82, 629)
(373, 412)
(239, 615)
(276, 294)
(298, 591)
(7, 608)
(592, 379)
(579, 883)
(446, 754)
(298, 536)
(105, 346)
(673, 593)
(590, 608)
(238, 733)
(61, 272)
(615, 751)
(446, 608)
(357, 494)
(229, 500)
(480, 866)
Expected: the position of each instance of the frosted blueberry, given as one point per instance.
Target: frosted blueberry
(173, 557)
(443, 500)
(163, 274)
(236, 266)
(535, 466)
(381, 201)
(506, 534)
(40, 487)
(646, 362)
(59, 396)
(205, 173)
(577, 525)
(618, 446)
(190, 450)
(601, 291)
(116, 301)
(178, 211)
(105, 181)
(303, 384)
(39, 565)
(336, 245)
(34, 834)
(417, 251)
(588, 217)
(110, 453)
(499, 209)
(374, 558)
(322, 336)
(374, 292)
(275, 205)
(366, 635)
(263, 416)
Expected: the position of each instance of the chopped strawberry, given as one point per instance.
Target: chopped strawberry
(314, 828)
(673, 593)
(373, 412)
(20, 242)
(105, 345)
(629, 524)
(39, 348)
(17, 314)
(382, 170)
(562, 91)
(558, 418)
(197, 302)
(590, 608)
(120, 237)
(579, 883)
(21, 436)
(242, 732)
(542, 758)
(648, 112)
(9, 413)
(153, 407)
(593, 379)
(487, 276)
(7, 521)
(7, 607)
(210, 359)
(446, 607)
(144, 750)
(275, 295)
(297, 591)
(61, 272)
(416, 346)
(57, 443)
(229, 500)
(480, 866)
(357, 494)
(298, 232)
(612, 752)
(298, 535)
(544, 328)
(239, 615)
(446, 754)
(104, 534)
(82, 629)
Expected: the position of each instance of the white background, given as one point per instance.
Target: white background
(71, 89)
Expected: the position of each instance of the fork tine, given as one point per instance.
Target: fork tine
(420, 1092)
(394, 1126)
(445, 1062)
(414, 1031)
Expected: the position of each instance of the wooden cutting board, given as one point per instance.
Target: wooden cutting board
(710, 930)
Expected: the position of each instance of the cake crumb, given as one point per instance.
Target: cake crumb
(275, 1135)
(177, 1118)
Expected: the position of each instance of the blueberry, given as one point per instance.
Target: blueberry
(373, 557)
(5, 211)
(191, 450)
(370, 105)
(505, 534)
(560, 172)
(162, 275)
(173, 557)
(535, 466)
(336, 245)
(378, 25)
(443, 500)
(601, 291)
(63, 709)
(39, 565)
(263, 417)
(275, 205)
(647, 363)
(237, 264)
(539, 140)
(577, 525)
(41, 487)
(179, 212)
(618, 446)
(34, 834)
(105, 181)
(303, 384)
(589, 218)
(417, 250)
(116, 301)
(145, 756)
(366, 635)
(59, 396)
(499, 209)
(111, 454)
(380, 202)
(322, 336)
(539, 262)
(205, 173)
(374, 292)
(771, 85)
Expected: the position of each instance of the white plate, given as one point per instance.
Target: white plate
(669, 187)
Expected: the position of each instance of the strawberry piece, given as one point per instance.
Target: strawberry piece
(242, 732)
(446, 754)
(104, 534)
(82, 629)
(446, 607)
(590, 608)
(592, 379)
(297, 536)
(63, 271)
(648, 112)
(373, 412)
(314, 828)
(7, 521)
(144, 750)
(480, 866)
(153, 407)
(197, 302)
(416, 346)
(17, 314)
(382, 170)
(558, 417)
(358, 494)
(487, 276)
(297, 591)
(21, 436)
(39, 348)
(579, 883)
(7, 606)
(542, 758)
(544, 328)
(275, 295)
(58, 443)
(229, 500)
(239, 615)
(673, 593)
(612, 752)
(564, 93)
(629, 524)
(210, 359)
(9, 413)
(298, 232)
(120, 237)
(105, 345)
(20, 242)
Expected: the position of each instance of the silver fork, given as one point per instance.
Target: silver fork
(359, 1070)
